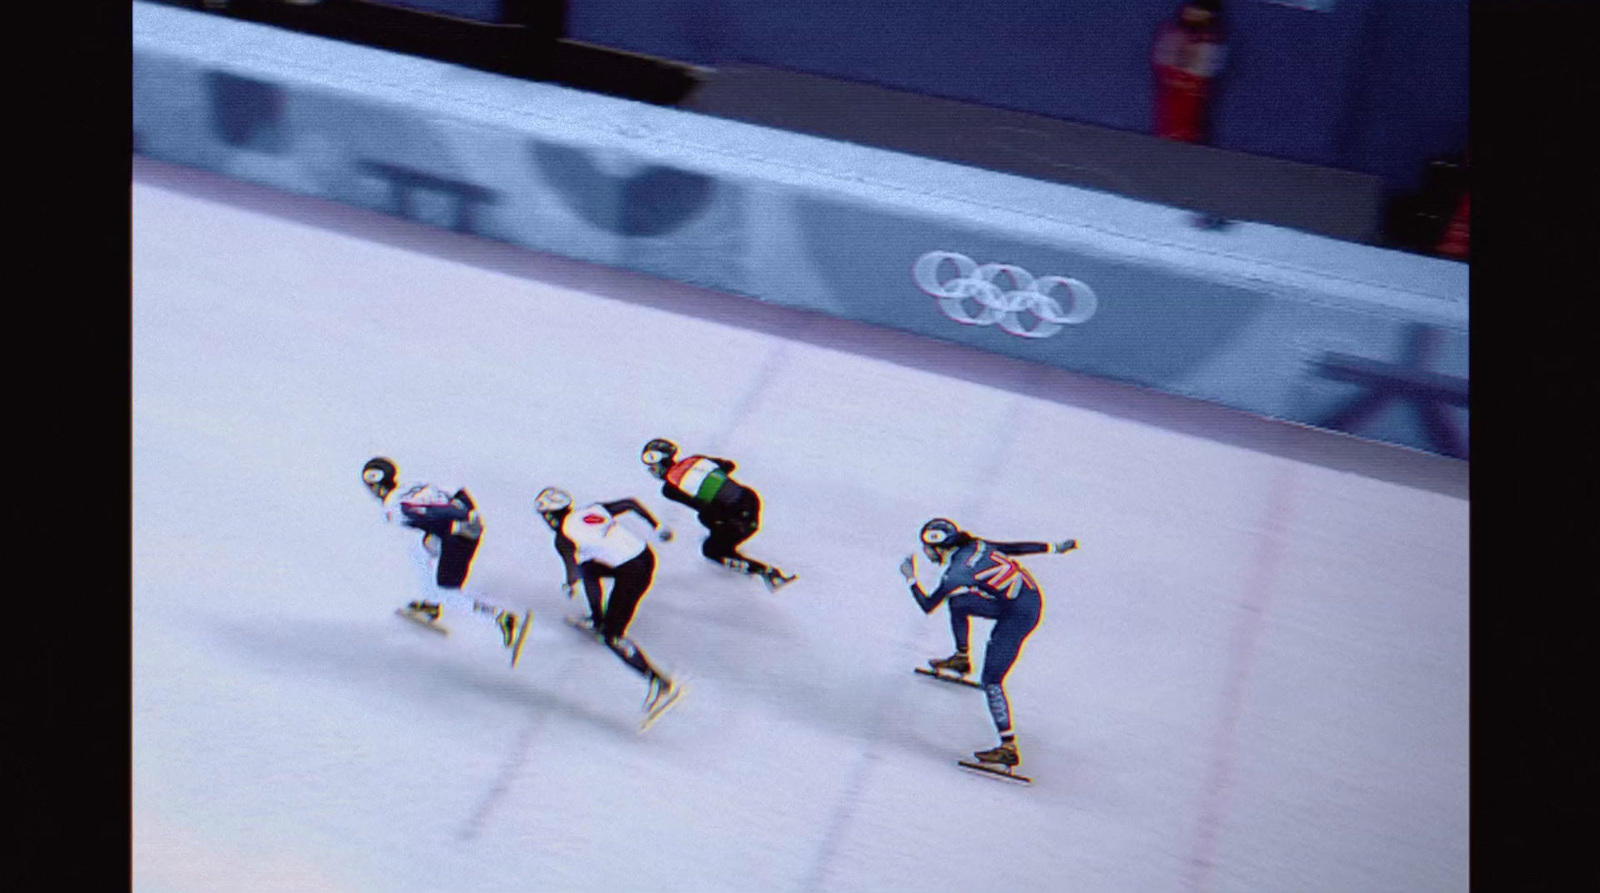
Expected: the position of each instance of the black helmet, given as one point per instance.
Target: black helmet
(379, 476)
(658, 456)
(940, 532)
(940, 535)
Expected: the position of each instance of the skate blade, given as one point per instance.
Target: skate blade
(422, 621)
(775, 585)
(949, 677)
(995, 771)
(664, 705)
(522, 636)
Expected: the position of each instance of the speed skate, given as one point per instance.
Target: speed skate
(994, 770)
(522, 636)
(949, 677)
(665, 703)
(422, 620)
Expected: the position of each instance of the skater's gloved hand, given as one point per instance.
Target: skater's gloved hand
(664, 534)
(908, 569)
(1064, 546)
(571, 588)
(471, 528)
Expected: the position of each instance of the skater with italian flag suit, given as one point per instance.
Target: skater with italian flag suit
(730, 511)
(981, 578)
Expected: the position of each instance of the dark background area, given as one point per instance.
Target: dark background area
(1345, 118)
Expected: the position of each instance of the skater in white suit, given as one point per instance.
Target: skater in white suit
(596, 544)
(451, 528)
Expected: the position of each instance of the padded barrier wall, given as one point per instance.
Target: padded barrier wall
(1271, 321)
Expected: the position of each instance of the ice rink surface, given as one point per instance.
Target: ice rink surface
(1253, 675)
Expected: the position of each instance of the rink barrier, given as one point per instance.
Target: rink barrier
(1275, 322)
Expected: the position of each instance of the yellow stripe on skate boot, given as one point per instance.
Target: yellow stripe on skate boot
(522, 636)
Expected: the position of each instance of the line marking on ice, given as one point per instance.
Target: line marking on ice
(516, 757)
(887, 700)
(502, 783)
(766, 374)
(1253, 603)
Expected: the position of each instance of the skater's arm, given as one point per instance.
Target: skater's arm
(928, 602)
(459, 517)
(1020, 548)
(439, 520)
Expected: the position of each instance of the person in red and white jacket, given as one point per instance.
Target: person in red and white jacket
(1188, 54)
(595, 543)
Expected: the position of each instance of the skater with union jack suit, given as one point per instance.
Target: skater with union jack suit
(983, 579)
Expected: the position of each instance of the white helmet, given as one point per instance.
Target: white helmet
(551, 499)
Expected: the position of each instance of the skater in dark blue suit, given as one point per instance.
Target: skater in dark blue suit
(982, 578)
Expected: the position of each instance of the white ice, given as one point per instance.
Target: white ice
(1251, 677)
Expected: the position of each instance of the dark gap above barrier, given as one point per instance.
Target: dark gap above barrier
(1215, 182)
(528, 43)
(1218, 185)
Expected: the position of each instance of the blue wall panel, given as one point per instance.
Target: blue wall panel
(1369, 85)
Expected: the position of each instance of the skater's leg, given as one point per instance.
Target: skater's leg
(999, 709)
(593, 592)
(959, 663)
(455, 561)
(625, 648)
(633, 578)
(1005, 643)
(454, 564)
(729, 529)
(444, 563)
(960, 629)
(722, 546)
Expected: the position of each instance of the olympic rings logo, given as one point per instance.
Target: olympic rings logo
(1027, 294)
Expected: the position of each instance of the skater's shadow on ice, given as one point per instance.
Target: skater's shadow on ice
(722, 607)
(379, 658)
